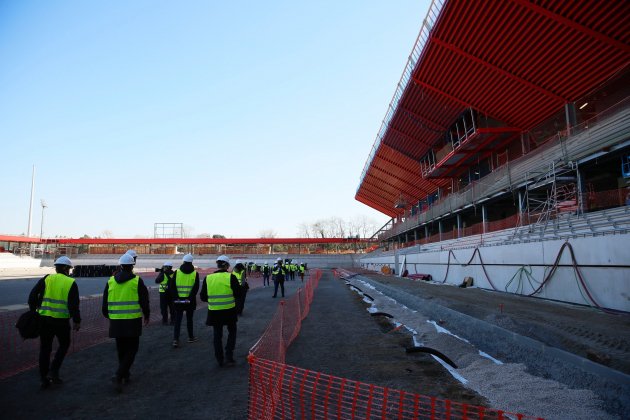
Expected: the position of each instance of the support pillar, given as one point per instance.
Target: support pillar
(440, 230)
(484, 218)
(459, 225)
(571, 116)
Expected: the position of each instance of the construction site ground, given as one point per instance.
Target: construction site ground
(340, 337)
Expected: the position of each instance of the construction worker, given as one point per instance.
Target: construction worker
(125, 302)
(166, 305)
(278, 275)
(56, 298)
(182, 290)
(220, 290)
(302, 270)
(266, 270)
(241, 275)
(134, 254)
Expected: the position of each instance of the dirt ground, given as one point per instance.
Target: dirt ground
(338, 337)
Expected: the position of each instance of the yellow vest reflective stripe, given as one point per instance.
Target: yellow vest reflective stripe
(164, 283)
(184, 283)
(220, 294)
(123, 301)
(55, 300)
(239, 276)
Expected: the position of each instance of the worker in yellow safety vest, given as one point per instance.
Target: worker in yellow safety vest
(166, 305)
(241, 275)
(56, 298)
(183, 289)
(302, 270)
(278, 275)
(221, 289)
(125, 303)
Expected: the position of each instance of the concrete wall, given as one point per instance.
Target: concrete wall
(604, 264)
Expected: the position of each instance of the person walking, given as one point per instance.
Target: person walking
(302, 270)
(166, 305)
(220, 290)
(183, 289)
(239, 272)
(125, 303)
(278, 275)
(266, 270)
(56, 298)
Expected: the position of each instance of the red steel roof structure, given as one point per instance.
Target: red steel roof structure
(517, 62)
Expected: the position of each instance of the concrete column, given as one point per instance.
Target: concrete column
(459, 225)
(426, 231)
(415, 234)
(440, 229)
(571, 116)
(580, 190)
(484, 217)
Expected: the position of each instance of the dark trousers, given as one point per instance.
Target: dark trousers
(218, 341)
(240, 302)
(127, 348)
(265, 279)
(49, 330)
(275, 287)
(166, 307)
(179, 315)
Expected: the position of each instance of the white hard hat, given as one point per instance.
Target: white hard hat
(167, 264)
(187, 258)
(223, 258)
(236, 263)
(132, 253)
(279, 259)
(63, 261)
(126, 259)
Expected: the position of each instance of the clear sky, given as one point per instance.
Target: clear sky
(232, 117)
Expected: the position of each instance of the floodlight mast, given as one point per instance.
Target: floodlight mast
(41, 231)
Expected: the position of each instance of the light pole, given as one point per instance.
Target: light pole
(41, 232)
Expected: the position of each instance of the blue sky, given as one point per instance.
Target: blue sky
(230, 117)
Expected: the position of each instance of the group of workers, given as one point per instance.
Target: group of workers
(126, 304)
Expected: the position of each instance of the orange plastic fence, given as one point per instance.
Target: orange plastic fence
(281, 391)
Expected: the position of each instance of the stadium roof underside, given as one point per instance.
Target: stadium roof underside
(517, 62)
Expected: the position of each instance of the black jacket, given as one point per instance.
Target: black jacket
(186, 268)
(37, 294)
(223, 316)
(160, 277)
(119, 328)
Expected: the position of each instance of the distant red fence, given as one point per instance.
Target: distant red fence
(280, 391)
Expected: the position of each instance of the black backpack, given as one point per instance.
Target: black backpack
(28, 324)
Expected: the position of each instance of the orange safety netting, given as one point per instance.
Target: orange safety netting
(281, 391)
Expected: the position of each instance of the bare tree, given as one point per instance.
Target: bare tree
(268, 233)
(304, 230)
(107, 234)
(187, 231)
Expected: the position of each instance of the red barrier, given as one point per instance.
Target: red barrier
(286, 322)
(280, 391)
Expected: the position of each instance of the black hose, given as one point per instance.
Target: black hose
(352, 285)
(433, 352)
(368, 296)
(381, 314)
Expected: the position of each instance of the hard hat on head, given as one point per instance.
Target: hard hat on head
(236, 263)
(132, 253)
(223, 258)
(126, 259)
(63, 261)
(279, 260)
(188, 258)
(167, 264)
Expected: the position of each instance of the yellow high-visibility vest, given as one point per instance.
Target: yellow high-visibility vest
(220, 294)
(123, 301)
(55, 301)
